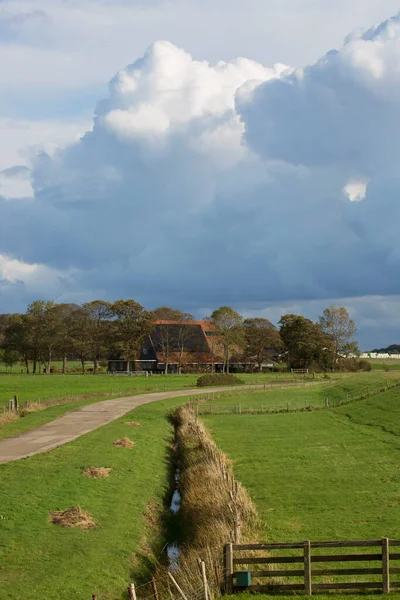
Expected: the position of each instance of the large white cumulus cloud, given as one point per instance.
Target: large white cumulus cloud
(203, 184)
(341, 111)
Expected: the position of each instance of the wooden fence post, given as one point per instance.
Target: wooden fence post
(307, 569)
(228, 568)
(132, 592)
(16, 403)
(385, 566)
(11, 405)
(154, 588)
(204, 578)
(176, 585)
(217, 580)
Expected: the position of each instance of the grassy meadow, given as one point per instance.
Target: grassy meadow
(325, 475)
(312, 475)
(74, 391)
(31, 387)
(337, 388)
(379, 364)
(41, 560)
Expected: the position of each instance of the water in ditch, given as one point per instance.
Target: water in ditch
(173, 548)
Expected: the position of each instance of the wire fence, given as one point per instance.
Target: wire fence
(203, 406)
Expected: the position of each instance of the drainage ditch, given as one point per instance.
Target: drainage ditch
(173, 547)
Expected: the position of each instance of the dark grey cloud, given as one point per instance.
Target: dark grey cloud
(173, 199)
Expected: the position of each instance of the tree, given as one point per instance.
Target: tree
(65, 323)
(184, 335)
(335, 322)
(97, 321)
(305, 342)
(43, 328)
(229, 324)
(9, 358)
(17, 338)
(132, 324)
(261, 337)
(4, 322)
(165, 313)
(81, 346)
(213, 341)
(173, 333)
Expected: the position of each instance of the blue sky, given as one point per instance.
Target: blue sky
(199, 154)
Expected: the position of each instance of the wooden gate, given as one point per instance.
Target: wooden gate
(247, 563)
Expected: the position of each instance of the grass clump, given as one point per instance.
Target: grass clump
(8, 417)
(72, 517)
(217, 379)
(124, 442)
(96, 472)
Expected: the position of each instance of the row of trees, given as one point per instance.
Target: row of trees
(89, 332)
(299, 342)
(99, 329)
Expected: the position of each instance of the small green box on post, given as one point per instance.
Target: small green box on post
(243, 579)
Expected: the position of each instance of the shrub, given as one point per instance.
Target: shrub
(364, 365)
(217, 379)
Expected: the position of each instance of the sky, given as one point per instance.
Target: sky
(203, 154)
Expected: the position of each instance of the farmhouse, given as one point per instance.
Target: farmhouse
(178, 346)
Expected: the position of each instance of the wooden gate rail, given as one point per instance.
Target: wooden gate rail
(385, 570)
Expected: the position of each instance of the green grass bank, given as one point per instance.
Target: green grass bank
(41, 560)
(327, 475)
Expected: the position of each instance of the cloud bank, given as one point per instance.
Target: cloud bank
(231, 183)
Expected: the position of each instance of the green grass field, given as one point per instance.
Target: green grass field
(40, 560)
(31, 387)
(72, 365)
(325, 475)
(328, 474)
(77, 391)
(347, 387)
(379, 364)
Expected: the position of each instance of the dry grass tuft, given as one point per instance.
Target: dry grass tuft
(124, 443)
(96, 472)
(8, 417)
(72, 517)
(134, 423)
